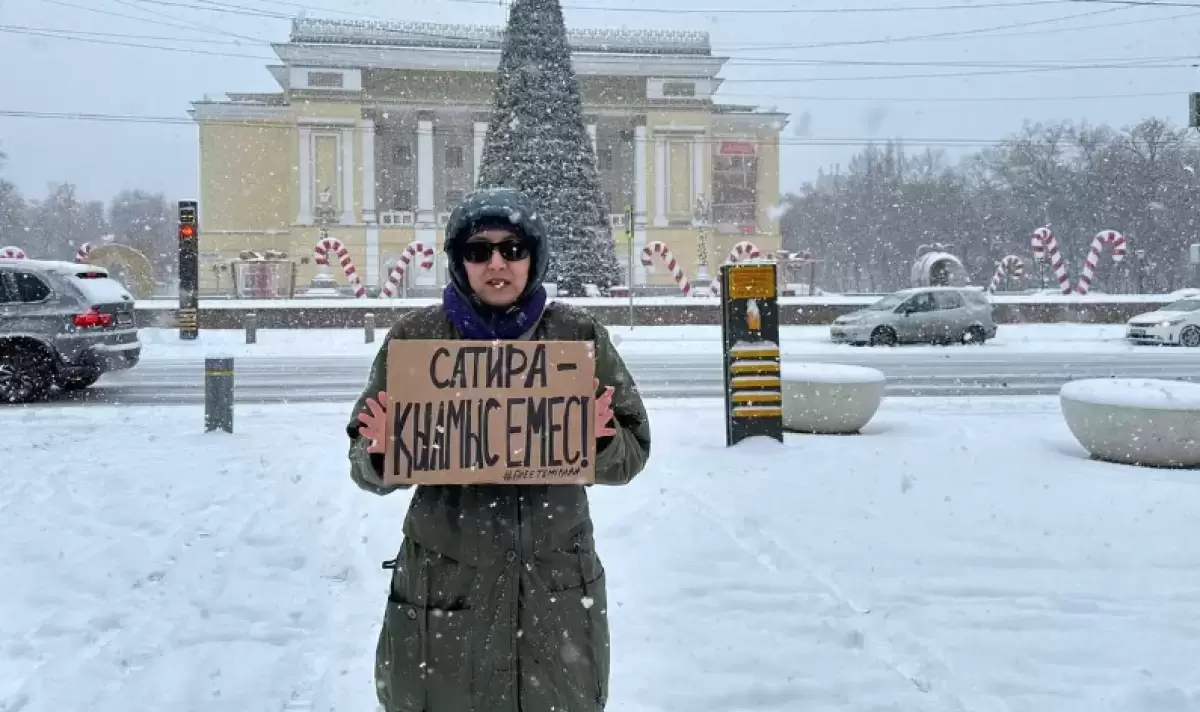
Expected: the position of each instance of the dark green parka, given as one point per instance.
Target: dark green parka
(498, 600)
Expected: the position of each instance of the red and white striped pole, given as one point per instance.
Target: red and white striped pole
(396, 276)
(1045, 243)
(321, 256)
(1009, 266)
(1102, 238)
(659, 252)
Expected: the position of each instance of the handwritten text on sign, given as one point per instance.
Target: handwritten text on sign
(471, 412)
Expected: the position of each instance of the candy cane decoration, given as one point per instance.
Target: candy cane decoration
(81, 254)
(1110, 237)
(737, 253)
(659, 251)
(396, 276)
(1011, 266)
(741, 251)
(1045, 242)
(321, 256)
(12, 252)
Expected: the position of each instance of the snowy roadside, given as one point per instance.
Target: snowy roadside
(961, 554)
(164, 344)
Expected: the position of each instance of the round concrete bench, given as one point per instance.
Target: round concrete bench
(1136, 421)
(830, 399)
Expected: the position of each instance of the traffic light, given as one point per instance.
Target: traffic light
(189, 271)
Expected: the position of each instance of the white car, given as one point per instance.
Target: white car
(1177, 323)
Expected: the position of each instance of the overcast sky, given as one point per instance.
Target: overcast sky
(845, 76)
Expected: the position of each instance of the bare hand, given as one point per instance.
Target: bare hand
(374, 424)
(604, 411)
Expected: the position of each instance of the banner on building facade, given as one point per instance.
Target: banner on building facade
(737, 148)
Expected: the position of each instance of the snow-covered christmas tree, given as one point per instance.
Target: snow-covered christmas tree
(537, 143)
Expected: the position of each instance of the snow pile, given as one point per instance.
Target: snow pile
(960, 555)
(1145, 393)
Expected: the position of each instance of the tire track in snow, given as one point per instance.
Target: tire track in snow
(886, 641)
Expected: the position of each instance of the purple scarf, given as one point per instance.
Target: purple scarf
(477, 321)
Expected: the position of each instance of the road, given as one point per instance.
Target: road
(926, 372)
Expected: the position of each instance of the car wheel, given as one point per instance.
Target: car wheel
(78, 383)
(25, 374)
(1190, 337)
(975, 335)
(883, 336)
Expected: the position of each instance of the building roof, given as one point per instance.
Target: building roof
(428, 34)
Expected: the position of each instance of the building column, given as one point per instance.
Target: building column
(699, 141)
(639, 202)
(426, 231)
(425, 212)
(347, 140)
(481, 128)
(305, 216)
(591, 129)
(368, 201)
(660, 181)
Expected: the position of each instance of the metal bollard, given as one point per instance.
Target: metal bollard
(369, 327)
(218, 394)
(250, 321)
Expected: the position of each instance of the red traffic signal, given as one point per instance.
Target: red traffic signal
(187, 231)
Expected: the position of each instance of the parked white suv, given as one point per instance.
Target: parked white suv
(1177, 323)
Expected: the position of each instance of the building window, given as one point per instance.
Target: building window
(679, 89)
(403, 200)
(402, 154)
(331, 80)
(604, 158)
(453, 197)
(734, 187)
(454, 156)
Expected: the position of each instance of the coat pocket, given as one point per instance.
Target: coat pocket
(423, 659)
(573, 642)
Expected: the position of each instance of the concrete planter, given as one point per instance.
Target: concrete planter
(1135, 421)
(830, 399)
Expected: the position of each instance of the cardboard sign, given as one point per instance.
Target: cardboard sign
(491, 412)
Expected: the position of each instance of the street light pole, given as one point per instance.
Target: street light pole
(1137, 274)
(701, 218)
(629, 255)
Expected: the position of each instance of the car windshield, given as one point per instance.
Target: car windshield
(888, 303)
(1184, 305)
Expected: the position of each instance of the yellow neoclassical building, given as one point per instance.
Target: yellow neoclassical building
(379, 127)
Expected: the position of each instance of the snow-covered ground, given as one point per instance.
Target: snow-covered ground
(645, 340)
(959, 555)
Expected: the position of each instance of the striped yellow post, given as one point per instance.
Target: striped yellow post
(750, 340)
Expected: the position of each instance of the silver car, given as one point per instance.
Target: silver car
(920, 315)
(61, 324)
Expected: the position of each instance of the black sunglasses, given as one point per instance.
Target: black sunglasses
(481, 252)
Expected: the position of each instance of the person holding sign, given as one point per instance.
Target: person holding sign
(498, 599)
